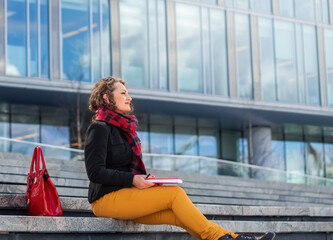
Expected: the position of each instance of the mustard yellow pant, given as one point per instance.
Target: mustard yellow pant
(158, 205)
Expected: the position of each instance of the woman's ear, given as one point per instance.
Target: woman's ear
(106, 99)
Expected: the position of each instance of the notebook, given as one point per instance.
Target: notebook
(166, 180)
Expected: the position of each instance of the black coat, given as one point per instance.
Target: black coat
(108, 157)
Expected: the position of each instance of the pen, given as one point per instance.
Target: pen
(147, 176)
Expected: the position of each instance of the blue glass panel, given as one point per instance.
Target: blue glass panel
(328, 148)
(4, 132)
(208, 144)
(261, 6)
(162, 37)
(161, 139)
(106, 54)
(286, 62)
(315, 158)
(16, 63)
(206, 50)
(305, 9)
(311, 65)
(96, 40)
(329, 64)
(300, 64)
(232, 146)
(24, 127)
(287, 8)
(242, 4)
(219, 51)
(75, 40)
(33, 48)
(267, 68)
(189, 55)
(186, 140)
(243, 56)
(133, 29)
(44, 38)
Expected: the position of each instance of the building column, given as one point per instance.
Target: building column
(2, 38)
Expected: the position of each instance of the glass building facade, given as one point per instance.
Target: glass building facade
(204, 73)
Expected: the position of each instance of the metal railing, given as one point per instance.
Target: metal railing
(182, 163)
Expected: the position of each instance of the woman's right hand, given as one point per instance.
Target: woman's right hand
(140, 182)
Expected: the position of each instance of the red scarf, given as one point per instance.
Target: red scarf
(127, 123)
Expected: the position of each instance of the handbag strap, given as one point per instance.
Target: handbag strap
(36, 160)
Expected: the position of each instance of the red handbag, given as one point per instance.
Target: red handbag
(42, 197)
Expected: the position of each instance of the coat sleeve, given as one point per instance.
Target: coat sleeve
(95, 152)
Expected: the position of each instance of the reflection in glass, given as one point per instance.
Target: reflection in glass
(261, 6)
(106, 54)
(157, 44)
(44, 38)
(231, 145)
(16, 63)
(305, 9)
(295, 153)
(329, 64)
(242, 4)
(133, 29)
(75, 40)
(219, 46)
(287, 8)
(161, 139)
(208, 142)
(207, 63)
(24, 127)
(267, 69)
(33, 38)
(278, 154)
(286, 62)
(311, 65)
(322, 11)
(189, 65)
(300, 64)
(96, 40)
(4, 132)
(328, 148)
(55, 131)
(143, 132)
(243, 56)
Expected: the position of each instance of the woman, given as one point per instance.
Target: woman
(118, 188)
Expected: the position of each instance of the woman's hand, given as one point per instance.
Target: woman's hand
(140, 182)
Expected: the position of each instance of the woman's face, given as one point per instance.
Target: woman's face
(121, 98)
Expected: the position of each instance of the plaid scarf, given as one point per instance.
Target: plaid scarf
(128, 124)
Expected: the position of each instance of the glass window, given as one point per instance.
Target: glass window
(329, 64)
(286, 62)
(106, 53)
(189, 65)
(243, 56)
(75, 40)
(267, 65)
(33, 38)
(305, 9)
(16, 63)
(161, 139)
(44, 38)
(24, 127)
(208, 144)
(322, 11)
(134, 29)
(301, 78)
(232, 148)
(314, 151)
(157, 44)
(295, 151)
(311, 65)
(96, 40)
(4, 132)
(242, 4)
(143, 132)
(206, 53)
(287, 8)
(277, 145)
(261, 6)
(55, 131)
(328, 148)
(219, 51)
